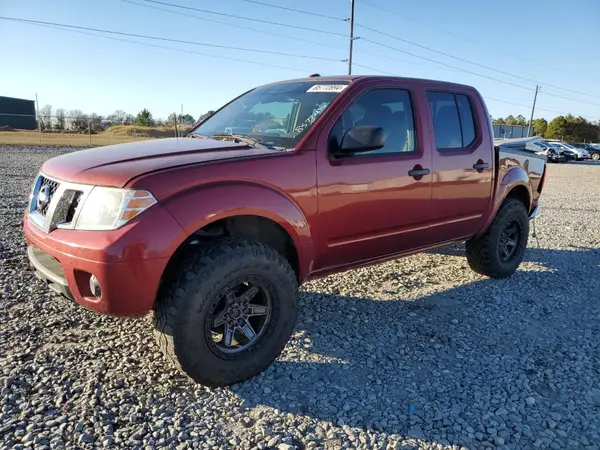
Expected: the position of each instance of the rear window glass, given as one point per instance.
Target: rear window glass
(466, 120)
(453, 122)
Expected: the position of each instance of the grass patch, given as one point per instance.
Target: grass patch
(147, 132)
(113, 135)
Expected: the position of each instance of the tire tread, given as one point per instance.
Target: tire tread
(210, 265)
(479, 249)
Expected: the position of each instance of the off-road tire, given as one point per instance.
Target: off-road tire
(483, 253)
(181, 308)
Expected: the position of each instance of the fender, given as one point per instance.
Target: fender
(514, 177)
(197, 208)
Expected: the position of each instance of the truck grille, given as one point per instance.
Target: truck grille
(54, 204)
(47, 190)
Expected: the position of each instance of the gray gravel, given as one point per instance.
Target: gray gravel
(415, 353)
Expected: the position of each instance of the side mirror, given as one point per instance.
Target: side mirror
(362, 139)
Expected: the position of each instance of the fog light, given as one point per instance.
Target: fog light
(95, 287)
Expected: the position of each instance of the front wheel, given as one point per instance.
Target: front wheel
(596, 156)
(499, 251)
(229, 313)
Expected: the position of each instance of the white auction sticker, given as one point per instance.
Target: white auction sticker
(328, 88)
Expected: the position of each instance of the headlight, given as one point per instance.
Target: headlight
(110, 208)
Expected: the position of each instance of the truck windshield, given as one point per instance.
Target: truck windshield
(277, 115)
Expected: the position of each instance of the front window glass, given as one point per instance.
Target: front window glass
(277, 115)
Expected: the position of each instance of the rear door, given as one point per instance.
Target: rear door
(463, 164)
(369, 203)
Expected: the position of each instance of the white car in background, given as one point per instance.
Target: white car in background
(580, 153)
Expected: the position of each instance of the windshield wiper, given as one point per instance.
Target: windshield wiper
(196, 135)
(240, 138)
(236, 138)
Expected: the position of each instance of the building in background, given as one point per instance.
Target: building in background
(511, 131)
(17, 113)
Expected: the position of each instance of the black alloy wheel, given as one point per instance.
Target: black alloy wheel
(509, 240)
(239, 316)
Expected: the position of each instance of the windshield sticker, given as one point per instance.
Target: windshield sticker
(310, 120)
(328, 88)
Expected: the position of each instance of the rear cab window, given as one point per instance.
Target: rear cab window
(453, 120)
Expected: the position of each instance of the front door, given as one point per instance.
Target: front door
(463, 164)
(375, 203)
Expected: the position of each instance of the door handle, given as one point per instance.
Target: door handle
(481, 166)
(418, 172)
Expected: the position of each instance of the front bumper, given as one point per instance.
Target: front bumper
(128, 263)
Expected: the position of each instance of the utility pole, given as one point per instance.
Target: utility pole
(537, 88)
(39, 121)
(351, 37)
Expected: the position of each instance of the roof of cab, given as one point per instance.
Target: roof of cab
(366, 78)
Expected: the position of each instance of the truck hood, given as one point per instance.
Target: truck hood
(115, 165)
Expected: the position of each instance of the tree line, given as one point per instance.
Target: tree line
(567, 128)
(75, 120)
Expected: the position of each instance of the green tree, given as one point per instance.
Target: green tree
(205, 115)
(78, 120)
(171, 119)
(521, 120)
(582, 130)
(95, 120)
(60, 119)
(557, 128)
(144, 118)
(46, 117)
(540, 126)
(573, 129)
(510, 120)
(499, 121)
(118, 117)
(186, 119)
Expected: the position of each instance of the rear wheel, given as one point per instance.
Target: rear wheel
(229, 313)
(499, 251)
(596, 156)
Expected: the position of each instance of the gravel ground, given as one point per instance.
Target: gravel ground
(415, 353)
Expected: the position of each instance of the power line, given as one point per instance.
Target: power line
(529, 106)
(445, 64)
(245, 28)
(468, 40)
(300, 11)
(571, 99)
(179, 41)
(173, 48)
(245, 18)
(461, 69)
(373, 69)
(472, 62)
(464, 70)
(372, 5)
(391, 58)
(270, 33)
(443, 53)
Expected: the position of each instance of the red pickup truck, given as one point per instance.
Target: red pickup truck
(293, 180)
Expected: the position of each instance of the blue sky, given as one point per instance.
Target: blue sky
(553, 42)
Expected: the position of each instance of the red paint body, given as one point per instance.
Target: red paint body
(339, 214)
